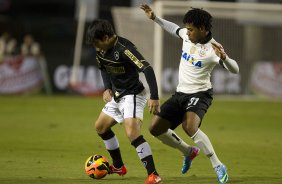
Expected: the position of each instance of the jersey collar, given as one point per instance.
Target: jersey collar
(207, 38)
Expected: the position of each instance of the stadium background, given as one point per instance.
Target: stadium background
(254, 44)
(47, 138)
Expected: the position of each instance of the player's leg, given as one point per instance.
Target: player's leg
(190, 126)
(143, 149)
(196, 106)
(133, 107)
(103, 127)
(162, 126)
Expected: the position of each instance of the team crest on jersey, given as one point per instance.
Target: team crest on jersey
(116, 54)
(192, 50)
(203, 51)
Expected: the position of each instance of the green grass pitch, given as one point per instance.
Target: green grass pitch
(46, 139)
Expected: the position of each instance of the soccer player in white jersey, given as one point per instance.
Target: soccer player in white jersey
(194, 94)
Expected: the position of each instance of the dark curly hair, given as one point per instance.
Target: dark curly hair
(98, 29)
(198, 17)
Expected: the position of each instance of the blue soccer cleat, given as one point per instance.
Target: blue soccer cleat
(221, 172)
(188, 159)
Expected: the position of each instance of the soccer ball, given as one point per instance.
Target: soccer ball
(97, 166)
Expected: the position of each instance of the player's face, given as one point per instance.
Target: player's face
(102, 44)
(99, 44)
(195, 34)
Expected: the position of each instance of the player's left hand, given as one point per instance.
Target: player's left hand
(148, 10)
(154, 106)
(219, 50)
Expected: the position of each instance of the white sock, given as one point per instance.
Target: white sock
(112, 143)
(202, 140)
(143, 150)
(171, 139)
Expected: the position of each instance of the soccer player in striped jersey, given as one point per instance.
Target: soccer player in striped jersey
(120, 63)
(194, 94)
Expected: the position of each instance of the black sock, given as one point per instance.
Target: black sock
(145, 154)
(115, 153)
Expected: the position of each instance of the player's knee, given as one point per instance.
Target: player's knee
(132, 135)
(190, 129)
(100, 129)
(191, 124)
(157, 130)
(158, 126)
(153, 131)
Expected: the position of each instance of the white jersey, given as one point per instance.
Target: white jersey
(196, 64)
(197, 60)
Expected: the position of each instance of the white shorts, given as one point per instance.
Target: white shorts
(129, 106)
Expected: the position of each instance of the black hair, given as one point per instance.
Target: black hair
(98, 29)
(198, 17)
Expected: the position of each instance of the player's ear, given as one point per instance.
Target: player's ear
(202, 29)
(105, 38)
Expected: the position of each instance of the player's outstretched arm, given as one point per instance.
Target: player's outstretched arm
(229, 63)
(170, 27)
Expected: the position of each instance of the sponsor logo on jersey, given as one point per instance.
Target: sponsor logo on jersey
(115, 70)
(133, 58)
(187, 57)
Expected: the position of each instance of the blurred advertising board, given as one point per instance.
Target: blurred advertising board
(20, 75)
(89, 80)
(266, 79)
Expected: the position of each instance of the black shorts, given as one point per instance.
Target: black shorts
(178, 104)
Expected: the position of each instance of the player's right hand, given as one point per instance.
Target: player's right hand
(154, 106)
(107, 95)
(149, 12)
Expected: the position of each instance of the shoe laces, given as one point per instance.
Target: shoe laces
(220, 170)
